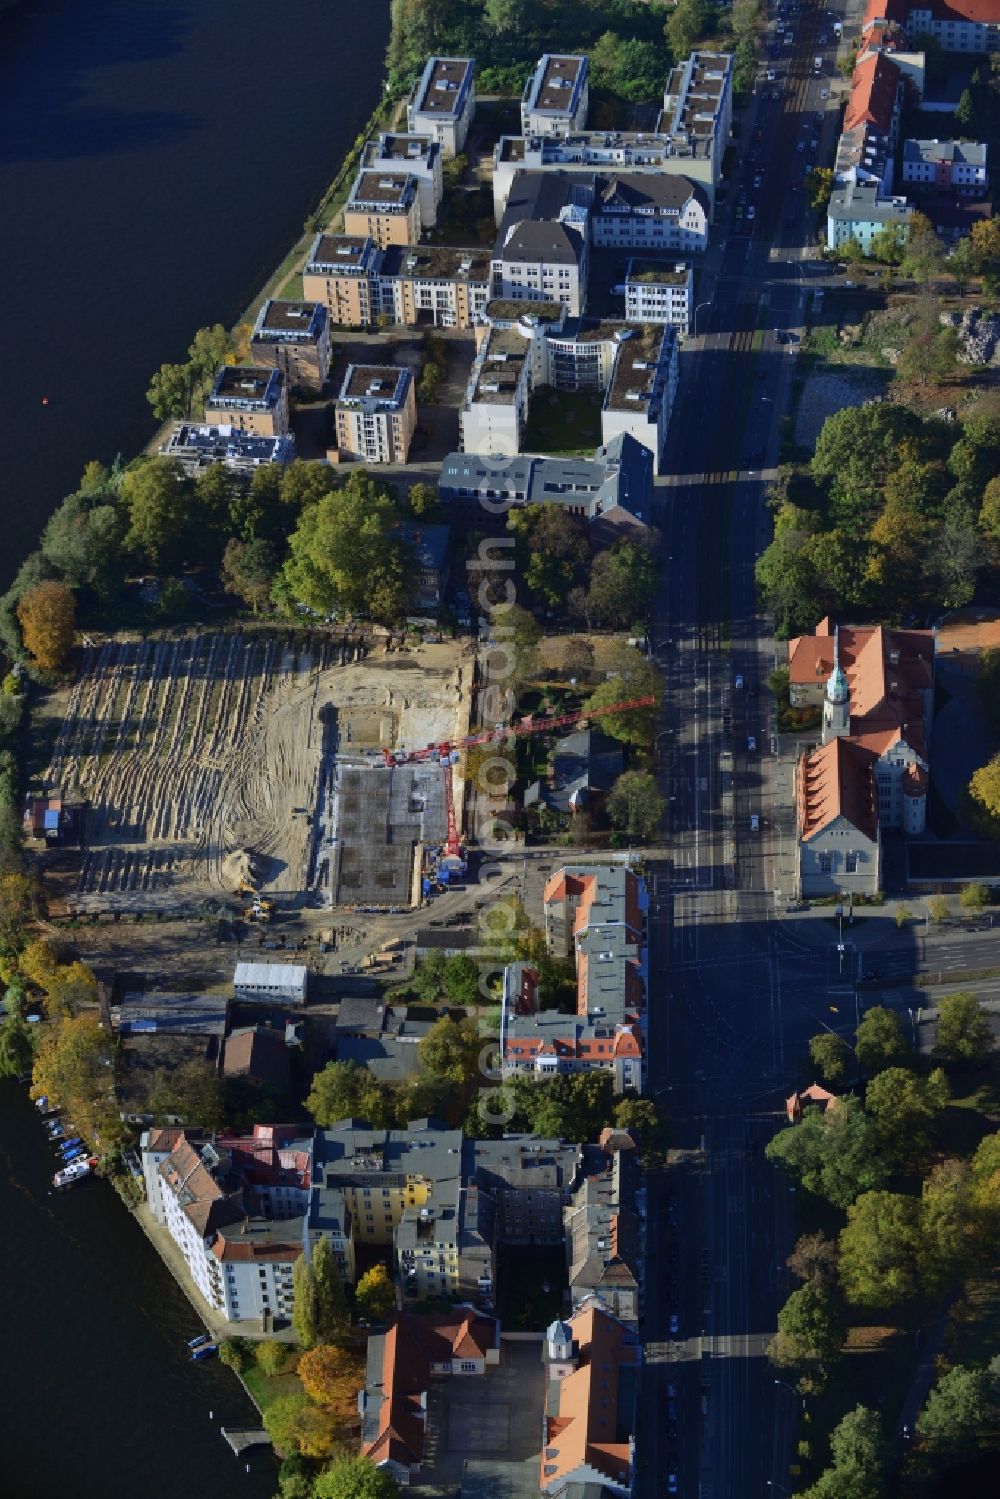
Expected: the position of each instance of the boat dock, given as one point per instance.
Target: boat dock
(242, 1438)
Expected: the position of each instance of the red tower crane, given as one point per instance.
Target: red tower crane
(446, 753)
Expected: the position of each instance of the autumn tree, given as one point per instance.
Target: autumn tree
(191, 1093)
(295, 1424)
(450, 1051)
(330, 1376)
(71, 988)
(814, 1259)
(20, 902)
(375, 1294)
(975, 896)
(40, 961)
(73, 1067)
(47, 615)
(271, 1357)
(947, 1225)
(15, 1047)
(347, 1090)
(208, 351)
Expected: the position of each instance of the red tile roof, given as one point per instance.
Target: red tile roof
(813, 1094)
(872, 99)
(980, 12)
(837, 781)
(587, 1431)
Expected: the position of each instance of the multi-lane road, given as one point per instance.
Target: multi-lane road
(735, 994)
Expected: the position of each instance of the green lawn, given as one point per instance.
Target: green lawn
(265, 1389)
(566, 423)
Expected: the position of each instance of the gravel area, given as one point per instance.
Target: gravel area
(826, 393)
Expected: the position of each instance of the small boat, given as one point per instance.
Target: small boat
(207, 1350)
(65, 1145)
(41, 1104)
(74, 1154)
(73, 1173)
(199, 1341)
(57, 1134)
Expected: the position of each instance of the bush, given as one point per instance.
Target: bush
(271, 1357)
(233, 1353)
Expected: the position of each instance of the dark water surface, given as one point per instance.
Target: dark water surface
(100, 1400)
(157, 158)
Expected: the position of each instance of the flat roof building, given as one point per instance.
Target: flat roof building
(956, 167)
(250, 397)
(858, 211)
(376, 413)
(386, 207)
(420, 156)
(446, 286)
(658, 292)
(698, 105)
(443, 102)
(295, 338)
(556, 95)
(198, 447)
(342, 273)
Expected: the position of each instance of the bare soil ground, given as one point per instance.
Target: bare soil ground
(196, 749)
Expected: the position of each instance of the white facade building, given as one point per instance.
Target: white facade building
(556, 95)
(649, 212)
(418, 155)
(263, 983)
(658, 293)
(443, 102)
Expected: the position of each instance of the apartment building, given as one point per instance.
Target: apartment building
(600, 151)
(196, 448)
(859, 212)
(870, 775)
(375, 413)
(605, 1228)
(342, 274)
(420, 156)
(593, 1364)
(640, 394)
(659, 293)
(385, 207)
(549, 1044)
(615, 487)
(649, 212)
(443, 103)
(295, 338)
(436, 284)
(968, 26)
(544, 261)
(958, 168)
(636, 367)
(250, 397)
(555, 97)
(698, 106)
(236, 1207)
(597, 913)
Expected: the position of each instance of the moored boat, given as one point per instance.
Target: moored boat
(201, 1339)
(70, 1144)
(207, 1350)
(74, 1172)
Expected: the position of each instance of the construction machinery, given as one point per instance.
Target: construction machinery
(447, 754)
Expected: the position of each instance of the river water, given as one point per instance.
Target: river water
(157, 158)
(100, 1397)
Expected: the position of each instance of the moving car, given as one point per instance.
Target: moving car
(674, 1324)
(751, 744)
(754, 823)
(751, 212)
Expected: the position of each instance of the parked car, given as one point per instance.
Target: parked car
(754, 823)
(674, 1324)
(751, 744)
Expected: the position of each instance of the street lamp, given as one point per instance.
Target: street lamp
(700, 305)
(791, 1388)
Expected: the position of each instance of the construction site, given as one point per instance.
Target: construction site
(261, 765)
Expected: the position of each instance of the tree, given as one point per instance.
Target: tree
(904, 1108)
(553, 550)
(345, 1090)
(73, 1067)
(689, 21)
(830, 1055)
(929, 356)
(832, 1153)
(880, 1250)
(47, 615)
(634, 677)
(859, 1459)
(295, 1477)
(985, 237)
(787, 582)
(623, 583)
(947, 1225)
(974, 896)
(924, 251)
(332, 1316)
(814, 1259)
(82, 541)
(271, 1357)
(305, 1313)
(71, 988)
(819, 186)
(627, 67)
(355, 1478)
(375, 1294)
(428, 977)
(985, 1190)
(644, 1122)
(984, 797)
(20, 903)
(964, 1034)
(810, 1332)
(248, 570)
(233, 1353)
(424, 502)
(329, 1376)
(965, 111)
(450, 1051)
(295, 1424)
(461, 980)
(989, 514)
(169, 392)
(347, 556)
(888, 245)
(957, 1410)
(209, 350)
(191, 1092)
(157, 499)
(938, 909)
(635, 805)
(880, 1042)
(40, 961)
(15, 1047)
